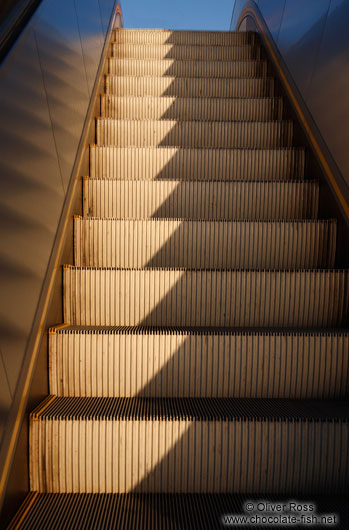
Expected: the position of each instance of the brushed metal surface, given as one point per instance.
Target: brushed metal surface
(313, 40)
(327, 97)
(31, 196)
(238, 5)
(91, 35)
(44, 94)
(5, 396)
(299, 43)
(273, 11)
(64, 76)
(105, 10)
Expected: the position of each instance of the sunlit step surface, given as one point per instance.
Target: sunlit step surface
(196, 362)
(127, 199)
(157, 163)
(189, 445)
(179, 297)
(203, 38)
(190, 87)
(174, 133)
(186, 52)
(185, 68)
(204, 244)
(199, 109)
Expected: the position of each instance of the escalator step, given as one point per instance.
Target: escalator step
(175, 362)
(120, 445)
(202, 38)
(127, 199)
(190, 409)
(181, 297)
(189, 87)
(200, 109)
(157, 511)
(186, 52)
(157, 163)
(204, 244)
(168, 133)
(185, 68)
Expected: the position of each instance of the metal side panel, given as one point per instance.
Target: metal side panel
(45, 89)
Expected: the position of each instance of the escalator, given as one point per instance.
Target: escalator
(202, 362)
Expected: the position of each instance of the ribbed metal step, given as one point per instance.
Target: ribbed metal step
(200, 409)
(203, 38)
(157, 163)
(160, 511)
(179, 297)
(200, 200)
(119, 445)
(200, 109)
(186, 52)
(190, 87)
(182, 362)
(204, 244)
(173, 133)
(180, 68)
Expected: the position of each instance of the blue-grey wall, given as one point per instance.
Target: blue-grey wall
(313, 39)
(45, 86)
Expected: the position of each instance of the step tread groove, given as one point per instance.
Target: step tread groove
(204, 409)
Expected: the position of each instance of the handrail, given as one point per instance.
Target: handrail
(14, 23)
(328, 164)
